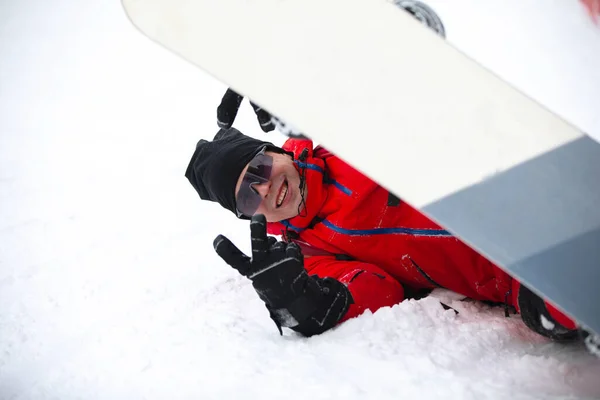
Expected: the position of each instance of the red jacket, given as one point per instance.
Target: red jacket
(357, 232)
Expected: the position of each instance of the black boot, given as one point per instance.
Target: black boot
(228, 109)
(537, 318)
(592, 342)
(264, 118)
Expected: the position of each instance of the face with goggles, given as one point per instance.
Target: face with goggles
(269, 185)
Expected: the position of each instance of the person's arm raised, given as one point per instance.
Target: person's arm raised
(307, 304)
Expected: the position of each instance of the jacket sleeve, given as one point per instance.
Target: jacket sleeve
(371, 287)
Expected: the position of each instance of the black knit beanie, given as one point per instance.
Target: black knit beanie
(216, 166)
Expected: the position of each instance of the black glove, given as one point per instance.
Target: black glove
(228, 109)
(306, 304)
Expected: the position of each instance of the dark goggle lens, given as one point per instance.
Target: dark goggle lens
(259, 171)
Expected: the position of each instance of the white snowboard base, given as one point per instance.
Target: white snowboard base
(508, 176)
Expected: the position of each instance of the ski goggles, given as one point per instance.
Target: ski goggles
(259, 171)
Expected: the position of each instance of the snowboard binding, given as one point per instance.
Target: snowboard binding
(424, 14)
(592, 342)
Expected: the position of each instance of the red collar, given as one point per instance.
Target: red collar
(312, 171)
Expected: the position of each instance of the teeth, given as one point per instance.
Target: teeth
(282, 194)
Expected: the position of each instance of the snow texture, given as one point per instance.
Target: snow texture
(109, 286)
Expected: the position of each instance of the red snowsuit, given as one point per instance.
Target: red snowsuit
(354, 230)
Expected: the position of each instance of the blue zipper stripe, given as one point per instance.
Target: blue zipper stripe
(314, 167)
(287, 224)
(341, 187)
(386, 231)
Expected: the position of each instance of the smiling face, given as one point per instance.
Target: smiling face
(281, 194)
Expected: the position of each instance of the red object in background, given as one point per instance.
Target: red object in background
(593, 7)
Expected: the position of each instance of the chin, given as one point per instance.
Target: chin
(292, 213)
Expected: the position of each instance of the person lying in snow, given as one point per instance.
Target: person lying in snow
(349, 244)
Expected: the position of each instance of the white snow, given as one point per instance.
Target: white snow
(109, 286)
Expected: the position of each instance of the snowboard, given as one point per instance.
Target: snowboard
(512, 179)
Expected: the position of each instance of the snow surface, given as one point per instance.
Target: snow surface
(109, 287)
